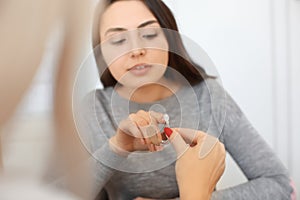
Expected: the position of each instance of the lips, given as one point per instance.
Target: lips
(140, 69)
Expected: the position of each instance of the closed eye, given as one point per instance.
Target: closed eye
(117, 42)
(150, 36)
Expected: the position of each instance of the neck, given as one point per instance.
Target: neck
(150, 92)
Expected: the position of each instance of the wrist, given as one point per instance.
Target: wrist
(194, 194)
(195, 197)
(117, 148)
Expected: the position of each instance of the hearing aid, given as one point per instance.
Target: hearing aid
(167, 124)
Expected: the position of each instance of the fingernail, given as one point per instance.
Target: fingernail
(168, 131)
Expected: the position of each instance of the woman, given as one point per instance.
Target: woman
(132, 59)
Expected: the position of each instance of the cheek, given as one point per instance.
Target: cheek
(116, 68)
(160, 57)
(165, 58)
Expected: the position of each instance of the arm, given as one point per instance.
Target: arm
(96, 127)
(98, 171)
(93, 141)
(267, 177)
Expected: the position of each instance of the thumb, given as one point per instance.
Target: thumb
(177, 141)
(208, 144)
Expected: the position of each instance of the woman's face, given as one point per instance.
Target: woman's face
(133, 44)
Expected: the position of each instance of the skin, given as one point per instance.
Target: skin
(124, 16)
(128, 16)
(132, 134)
(196, 175)
(66, 133)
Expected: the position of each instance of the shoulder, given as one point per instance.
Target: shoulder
(95, 101)
(98, 96)
(224, 111)
(217, 95)
(211, 87)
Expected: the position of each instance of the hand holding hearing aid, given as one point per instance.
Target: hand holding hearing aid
(200, 165)
(139, 132)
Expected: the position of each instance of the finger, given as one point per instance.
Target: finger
(143, 141)
(154, 147)
(151, 116)
(157, 117)
(129, 127)
(155, 140)
(149, 122)
(140, 145)
(208, 144)
(143, 123)
(139, 122)
(148, 142)
(145, 115)
(151, 131)
(190, 135)
(153, 134)
(151, 147)
(148, 134)
(158, 135)
(177, 141)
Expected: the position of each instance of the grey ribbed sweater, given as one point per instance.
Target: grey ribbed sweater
(205, 106)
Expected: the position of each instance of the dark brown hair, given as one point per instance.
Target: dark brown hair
(179, 61)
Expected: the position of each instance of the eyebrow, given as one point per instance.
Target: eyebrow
(124, 29)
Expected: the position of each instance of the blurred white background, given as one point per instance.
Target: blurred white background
(255, 46)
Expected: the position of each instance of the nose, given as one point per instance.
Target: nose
(137, 52)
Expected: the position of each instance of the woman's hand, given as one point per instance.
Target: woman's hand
(139, 132)
(199, 166)
(141, 198)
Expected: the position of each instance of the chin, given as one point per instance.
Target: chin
(143, 82)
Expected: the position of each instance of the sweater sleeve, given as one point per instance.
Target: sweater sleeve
(95, 139)
(98, 174)
(267, 177)
(100, 167)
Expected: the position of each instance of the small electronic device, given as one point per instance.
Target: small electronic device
(167, 124)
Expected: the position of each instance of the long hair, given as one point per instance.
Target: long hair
(191, 71)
